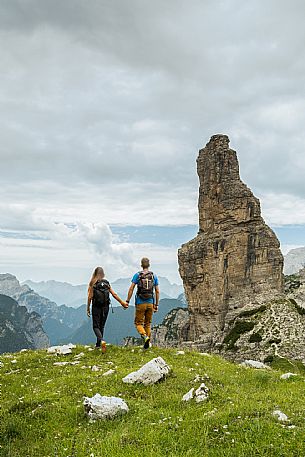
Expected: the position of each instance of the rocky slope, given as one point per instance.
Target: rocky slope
(235, 260)
(275, 329)
(19, 329)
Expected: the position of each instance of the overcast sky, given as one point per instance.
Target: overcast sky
(104, 105)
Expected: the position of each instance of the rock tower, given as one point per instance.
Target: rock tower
(235, 260)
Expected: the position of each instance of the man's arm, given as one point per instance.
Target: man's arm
(130, 292)
(157, 290)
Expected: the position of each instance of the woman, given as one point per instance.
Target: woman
(98, 294)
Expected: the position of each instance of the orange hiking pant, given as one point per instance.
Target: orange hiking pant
(143, 318)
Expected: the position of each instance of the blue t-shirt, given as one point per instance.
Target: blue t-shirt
(139, 300)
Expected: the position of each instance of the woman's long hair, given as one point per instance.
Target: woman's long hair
(97, 275)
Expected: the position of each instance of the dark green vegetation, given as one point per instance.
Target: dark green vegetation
(239, 328)
(299, 308)
(42, 414)
(283, 364)
(253, 312)
(255, 338)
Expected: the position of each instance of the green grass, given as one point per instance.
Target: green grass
(42, 413)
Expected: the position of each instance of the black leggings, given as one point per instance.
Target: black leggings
(99, 317)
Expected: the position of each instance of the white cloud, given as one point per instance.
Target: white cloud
(281, 209)
(104, 106)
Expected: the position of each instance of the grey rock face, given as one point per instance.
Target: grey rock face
(19, 329)
(294, 261)
(174, 328)
(235, 260)
(59, 321)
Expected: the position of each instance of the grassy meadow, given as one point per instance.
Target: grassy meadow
(42, 410)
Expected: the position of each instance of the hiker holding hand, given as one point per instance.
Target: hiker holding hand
(98, 294)
(146, 300)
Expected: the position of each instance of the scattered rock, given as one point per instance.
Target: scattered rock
(206, 354)
(287, 375)
(61, 350)
(189, 395)
(180, 353)
(98, 407)
(150, 373)
(280, 416)
(254, 364)
(201, 393)
(197, 378)
(95, 368)
(78, 356)
(23, 350)
(14, 361)
(1, 364)
(62, 364)
(109, 372)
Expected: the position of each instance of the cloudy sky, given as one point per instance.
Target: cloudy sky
(104, 105)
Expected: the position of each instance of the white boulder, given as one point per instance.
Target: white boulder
(255, 364)
(280, 415)
(189, 395)
(287, 375)
(61, 350)
(98, 407)
(150, 373)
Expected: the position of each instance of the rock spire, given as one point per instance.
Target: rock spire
(235, 260)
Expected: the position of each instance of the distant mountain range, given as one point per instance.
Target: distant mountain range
(70, 295)
(58, 321)
(120, 323)
(294, 261)
(19, 329)
(64, 323)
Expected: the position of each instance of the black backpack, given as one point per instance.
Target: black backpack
(101, 293)
(145, 285)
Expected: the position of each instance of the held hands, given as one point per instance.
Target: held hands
(125, 305)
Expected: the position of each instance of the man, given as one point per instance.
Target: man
(146, 299)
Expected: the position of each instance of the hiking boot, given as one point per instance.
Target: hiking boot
(103, 347)
(146, 342)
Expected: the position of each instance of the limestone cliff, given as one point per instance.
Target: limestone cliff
(235, 260)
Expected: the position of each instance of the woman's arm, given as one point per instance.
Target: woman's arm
(123, 303)
(89, 300)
